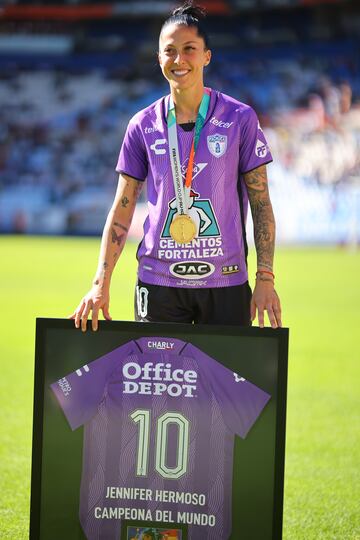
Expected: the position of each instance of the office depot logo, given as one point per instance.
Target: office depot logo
(157, 379)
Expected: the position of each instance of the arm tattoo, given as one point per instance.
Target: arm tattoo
(262, 213)
(121, 226)
(124, 201)
(115, 238)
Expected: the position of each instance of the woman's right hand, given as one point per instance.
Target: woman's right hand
(95, 300)
(113, 240)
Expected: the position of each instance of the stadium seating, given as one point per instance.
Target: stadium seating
(63, 117)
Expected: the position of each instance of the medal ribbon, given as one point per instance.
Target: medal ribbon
(182, 192)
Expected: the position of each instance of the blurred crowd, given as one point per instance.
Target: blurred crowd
(61, 132)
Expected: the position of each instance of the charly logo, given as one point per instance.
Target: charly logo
(238, 378)
(261, 149)
(160, 345)
(217, 144)
(192, 269)
(158, 142)
(157, 379)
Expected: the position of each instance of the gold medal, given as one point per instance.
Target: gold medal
(182, 229)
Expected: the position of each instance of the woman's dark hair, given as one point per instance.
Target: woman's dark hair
(189, 15)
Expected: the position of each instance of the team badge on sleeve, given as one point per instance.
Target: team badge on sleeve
(217, 144)
(261, 149)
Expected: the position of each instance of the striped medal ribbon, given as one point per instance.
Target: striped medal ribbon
(183, 228)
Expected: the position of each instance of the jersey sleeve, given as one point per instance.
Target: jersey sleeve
(133, 158)
(240, 401)
(80, 393)
(254, 149)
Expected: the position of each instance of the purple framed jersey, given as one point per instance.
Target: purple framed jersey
(159, 419)
(231, 144)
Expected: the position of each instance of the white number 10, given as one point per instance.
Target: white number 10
(143, 418)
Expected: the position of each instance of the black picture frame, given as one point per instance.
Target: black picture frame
(54, 336)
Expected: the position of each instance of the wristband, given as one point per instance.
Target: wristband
(260, 278)
(265, 272)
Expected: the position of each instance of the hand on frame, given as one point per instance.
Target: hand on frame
(265, 298)
(94, 301)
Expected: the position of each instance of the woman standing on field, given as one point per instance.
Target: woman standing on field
(204, 157)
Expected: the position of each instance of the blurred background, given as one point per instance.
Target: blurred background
(72, 73)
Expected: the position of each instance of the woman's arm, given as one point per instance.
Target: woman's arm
(113, 240)
(264, 295)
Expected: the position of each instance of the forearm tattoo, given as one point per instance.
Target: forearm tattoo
(102, 274)
(121, 226)
(124, 201)
(116, 238)
(262, 214)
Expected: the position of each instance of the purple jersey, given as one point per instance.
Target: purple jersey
(160, 418)
(231, 144)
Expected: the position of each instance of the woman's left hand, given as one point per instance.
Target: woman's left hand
(266, 298)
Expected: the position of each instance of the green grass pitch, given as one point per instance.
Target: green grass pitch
(320, 292)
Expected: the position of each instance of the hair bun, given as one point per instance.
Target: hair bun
(197, 12)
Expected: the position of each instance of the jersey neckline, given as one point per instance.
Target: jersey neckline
(212, 105)
(187, 126)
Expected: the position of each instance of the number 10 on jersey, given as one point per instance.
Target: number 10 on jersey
(142, 417)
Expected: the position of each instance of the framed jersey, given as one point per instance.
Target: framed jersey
(164, 431)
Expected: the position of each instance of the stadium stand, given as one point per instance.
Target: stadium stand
(67, 93)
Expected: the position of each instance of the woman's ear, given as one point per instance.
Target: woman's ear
(208, 57)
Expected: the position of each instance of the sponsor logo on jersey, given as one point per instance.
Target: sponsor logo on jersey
(189, 283)
(232, 269)
(197, 168)
(151, 129)
(160, 345)
(217, 144)
(261, 149)
(192, 269)
(155, 146)
(202, 213)
(64, 386)
(207, 242)
(157, 379)
(220, 123)
(238, 378)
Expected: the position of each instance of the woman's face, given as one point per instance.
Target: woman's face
(182, 56)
